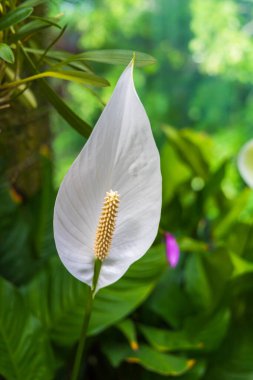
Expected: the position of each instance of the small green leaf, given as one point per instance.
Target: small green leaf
(14, 17)
(128, 329)
(241, 266)
(6, 53)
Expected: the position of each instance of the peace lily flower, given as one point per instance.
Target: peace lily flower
(108, 205)
(172, 250)
(245, 163)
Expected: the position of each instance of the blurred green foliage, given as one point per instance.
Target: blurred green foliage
(192, 322)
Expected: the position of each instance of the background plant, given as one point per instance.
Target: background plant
(193, 322)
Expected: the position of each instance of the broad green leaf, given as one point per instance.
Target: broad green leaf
(14, 17)
(148, 358)
(127, 327)
(24, 349)
(6, 53)
(197, 283)
(164, 364)
(233, 361)
(166, 340)
(209, 330)
(207, 275)
(118, 57)
(58, 299)
(170, 300)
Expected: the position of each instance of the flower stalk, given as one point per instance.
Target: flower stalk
(86, 321)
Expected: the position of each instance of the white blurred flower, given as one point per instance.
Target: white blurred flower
(117, 170)
(245, 163)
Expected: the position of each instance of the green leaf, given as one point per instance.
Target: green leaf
(207, 275)
(29, 29)
(170, 300)
(233, 361)
(241, 266)
(14, 17)
(58, 299)
(209, 330)
(166, 340)
(6, 53)
(32, 3)
(163, 364)
(24, 349)
(118, 57)
(174, 172)
(63, 57)
(71, 75)
(127, 327)
(189, 150)
(64, 110)
(225, 224)
(148, 358)
(17, 261)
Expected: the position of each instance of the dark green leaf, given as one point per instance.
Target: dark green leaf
(14, 17)
(24, 349)
(189, 150)
(58, 299)
(164, 364)
(209, 330)
(166, 340)
(225, 224)
(127, 327)
(29, 29)
(61, 107)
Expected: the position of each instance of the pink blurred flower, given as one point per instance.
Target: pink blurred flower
(172, 249)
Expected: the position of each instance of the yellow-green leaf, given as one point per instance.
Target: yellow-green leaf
(6, 53)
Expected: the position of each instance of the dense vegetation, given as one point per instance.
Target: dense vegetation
(193, 321)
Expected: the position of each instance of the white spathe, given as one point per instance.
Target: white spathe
(245, 163)
(120, 155)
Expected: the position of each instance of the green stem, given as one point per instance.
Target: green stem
(87, 315)
(81, 344)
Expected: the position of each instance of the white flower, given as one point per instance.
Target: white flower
(119, 167)
(245, 163)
